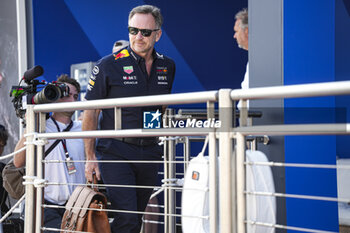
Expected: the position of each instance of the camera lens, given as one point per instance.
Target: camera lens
(49, 94)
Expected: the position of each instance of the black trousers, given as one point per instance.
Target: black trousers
(144, 174)
(53, 217)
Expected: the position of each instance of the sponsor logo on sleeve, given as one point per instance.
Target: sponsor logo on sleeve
(95, 70)
(92, 78)
(91, 82)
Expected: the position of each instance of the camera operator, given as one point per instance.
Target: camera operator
(68, 172)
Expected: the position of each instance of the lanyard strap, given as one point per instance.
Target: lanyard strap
(65, 130)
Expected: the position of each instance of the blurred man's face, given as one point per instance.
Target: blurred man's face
(139, 43)
(241, 35)
(73, 96)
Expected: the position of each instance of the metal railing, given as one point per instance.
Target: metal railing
(229, 199)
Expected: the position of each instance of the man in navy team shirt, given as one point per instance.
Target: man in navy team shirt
(137, 70)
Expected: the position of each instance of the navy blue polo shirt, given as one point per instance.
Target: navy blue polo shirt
(123, 74)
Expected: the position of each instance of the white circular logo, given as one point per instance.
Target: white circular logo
(95, 70)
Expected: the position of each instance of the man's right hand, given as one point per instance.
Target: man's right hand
(90, 169)
(90, 123)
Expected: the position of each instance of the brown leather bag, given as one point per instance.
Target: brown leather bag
(78, 218)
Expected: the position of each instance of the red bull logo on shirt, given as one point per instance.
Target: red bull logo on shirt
(162, 70)
(121, 54)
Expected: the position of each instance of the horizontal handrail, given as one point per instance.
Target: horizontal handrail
(295, 129)
(293, 91)
(180, 98)
(128, 133)
(202, 113)
(289, 91)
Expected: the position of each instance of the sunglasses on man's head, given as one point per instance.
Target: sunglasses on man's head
(144, 32)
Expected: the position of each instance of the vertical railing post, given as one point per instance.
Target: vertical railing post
(166, 175)
(172, 170)
(186, 150)
(241, 202)
(29, 188)
(40, 175)
(227, 164)
(243, 113)
(169, 173)
(22, 51)
(117, 118)
(213, 187)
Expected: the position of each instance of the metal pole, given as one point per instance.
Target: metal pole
(297, 129)
(213, 188)
(137, 101)
(40, 175)
(166, 176)
(243, 113)
(172, 169)
(117, 118)
(241, 208)
(21, 42)
(227, 176)
(29, 189)
(293, 91)
(186, 149)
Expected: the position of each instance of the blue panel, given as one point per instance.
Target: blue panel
(200, 41)
(342, 64)
(58, 39)
(202, 31)
(110, 24)
(309, 57)
(206, 57)
(104, 22)
(186, 80)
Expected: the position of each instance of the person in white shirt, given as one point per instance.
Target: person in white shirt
(241, 35)
(69, 150)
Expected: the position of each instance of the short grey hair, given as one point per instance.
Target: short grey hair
(243, 16)
(148, 9)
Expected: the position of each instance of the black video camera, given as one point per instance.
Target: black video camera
(23, 95)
